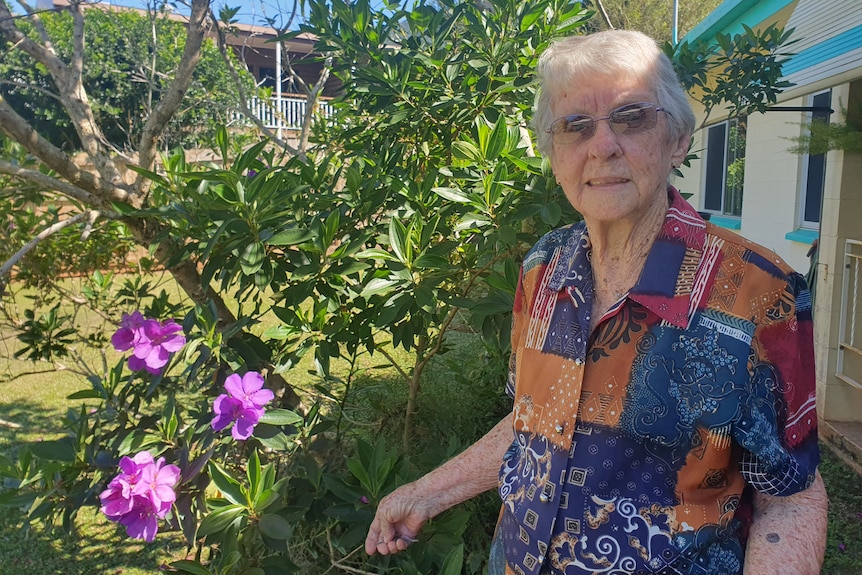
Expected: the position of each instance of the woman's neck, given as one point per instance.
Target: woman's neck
(618, 253)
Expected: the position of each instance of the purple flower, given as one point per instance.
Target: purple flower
(152, 342)
(141, 494)
(242, 405)
(127, 336)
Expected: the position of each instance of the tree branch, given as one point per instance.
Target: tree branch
(20, 131)
(47, 232)
(170, 103)
(46, 181)
(243, 95)
(604, 14)
(70, 90)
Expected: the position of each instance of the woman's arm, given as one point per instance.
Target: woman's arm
(788, 534)
(402, 513)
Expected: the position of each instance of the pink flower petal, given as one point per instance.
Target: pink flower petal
(233, 385)
(251, 382)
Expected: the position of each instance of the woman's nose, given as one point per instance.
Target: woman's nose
(605, 143)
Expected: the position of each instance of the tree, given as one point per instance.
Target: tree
(652, 17)
(129, 57)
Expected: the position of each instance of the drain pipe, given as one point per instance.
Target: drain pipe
(675, 22)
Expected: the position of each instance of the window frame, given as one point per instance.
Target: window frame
(710, 164)
(818, 160)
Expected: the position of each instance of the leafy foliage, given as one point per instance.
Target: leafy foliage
(821, 137)
(742, 72)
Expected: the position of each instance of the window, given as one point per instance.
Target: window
(725, 167)
(814, 167)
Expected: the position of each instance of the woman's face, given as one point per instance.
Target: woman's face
(614, 177)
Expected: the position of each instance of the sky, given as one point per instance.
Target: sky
(250, 11)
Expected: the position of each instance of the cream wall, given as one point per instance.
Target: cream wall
(841, 220)
(771, 190)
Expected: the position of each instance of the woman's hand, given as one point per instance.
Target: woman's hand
(398, 520)
(402, 513)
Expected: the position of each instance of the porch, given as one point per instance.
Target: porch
(283, 112)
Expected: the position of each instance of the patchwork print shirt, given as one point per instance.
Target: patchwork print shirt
(636, 446)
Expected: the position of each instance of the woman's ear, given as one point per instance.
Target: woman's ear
(680, 151)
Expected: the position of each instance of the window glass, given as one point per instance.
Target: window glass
(815, 167)
(725, 167)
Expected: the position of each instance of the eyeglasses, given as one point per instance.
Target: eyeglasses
(629, 119)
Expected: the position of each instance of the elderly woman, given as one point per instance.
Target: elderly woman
(662, 369)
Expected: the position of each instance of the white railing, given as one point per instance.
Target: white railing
(849, 367)
(286, 112)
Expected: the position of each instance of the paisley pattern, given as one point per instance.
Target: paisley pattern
(634, 446)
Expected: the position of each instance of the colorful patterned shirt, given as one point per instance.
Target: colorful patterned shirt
(637, 446)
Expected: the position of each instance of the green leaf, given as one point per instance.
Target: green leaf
(466, 151)
(252, 472)
(398, 240)
(281, 417)
(497, 140)
(275, 526)
(290, 237)
(53, 450)
(190, 567)
(219, 520)
(454, 562)
(432, 262)
(230, 487)
(377, 254)
(85, 394)
(453, 194)
(378, 286)
(252, 257)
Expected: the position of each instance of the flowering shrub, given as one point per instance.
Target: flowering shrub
(141, 494)
(242, 405)
(152, 342)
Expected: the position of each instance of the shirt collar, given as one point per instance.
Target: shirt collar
(666, 282)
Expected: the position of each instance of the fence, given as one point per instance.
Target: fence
(286, 112)
(849, 367)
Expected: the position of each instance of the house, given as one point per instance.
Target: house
(295, 64)
(748, 181)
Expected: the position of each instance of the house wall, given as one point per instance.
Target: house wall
(841, 220)
(771, 189)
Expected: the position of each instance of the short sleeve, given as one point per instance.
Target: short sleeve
(777, 426)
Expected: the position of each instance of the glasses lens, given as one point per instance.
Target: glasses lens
(633, 118)
(571, 129)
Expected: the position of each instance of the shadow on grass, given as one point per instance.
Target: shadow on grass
(24, 421)
(100, 548)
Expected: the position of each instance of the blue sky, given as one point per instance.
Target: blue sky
(251, 12)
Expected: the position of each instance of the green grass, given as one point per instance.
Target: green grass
(844, 534)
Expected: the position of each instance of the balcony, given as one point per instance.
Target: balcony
(286, 112)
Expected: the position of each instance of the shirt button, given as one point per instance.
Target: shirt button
(579, 361)
(558, 428)
(543, 497)
(541, 559)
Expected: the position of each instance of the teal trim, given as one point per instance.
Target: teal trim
(826, 50)
(729, 16)
(725, 222)
(802, 236)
